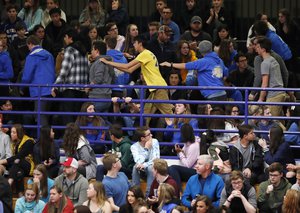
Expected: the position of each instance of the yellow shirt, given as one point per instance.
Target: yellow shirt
(150, 69)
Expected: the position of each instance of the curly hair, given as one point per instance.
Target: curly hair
(71, 138)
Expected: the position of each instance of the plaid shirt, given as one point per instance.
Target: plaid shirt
(74, 69)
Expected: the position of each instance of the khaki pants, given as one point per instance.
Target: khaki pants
(274, 109)
(164, 108)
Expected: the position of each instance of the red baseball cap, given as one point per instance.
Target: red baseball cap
(70, 162)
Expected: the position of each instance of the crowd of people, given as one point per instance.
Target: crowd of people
(79, 58)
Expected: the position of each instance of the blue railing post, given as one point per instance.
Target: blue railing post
(141, 106)
(38, 113)
(246, 106)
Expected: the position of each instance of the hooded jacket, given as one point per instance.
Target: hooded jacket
(76, 191)
(272, 202)
(6, 69)
(256, 159)
(39, 69)
(121, 78)
(211, 71)
(86, 153)
(100, 74)
(124, 153)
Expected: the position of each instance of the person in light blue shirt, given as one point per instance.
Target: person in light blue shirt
(41, 179)
(30, 203)
(144, 152)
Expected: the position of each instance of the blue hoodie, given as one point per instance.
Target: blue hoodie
(279, 46)
(39, 69)
(6, 69)
(121, 78)
(211, 71)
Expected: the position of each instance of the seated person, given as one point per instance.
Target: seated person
(247, 156)
(272, 191)
(205, 182)
(73, 184)
(144, 151)
(238, 195)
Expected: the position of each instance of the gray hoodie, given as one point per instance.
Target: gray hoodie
(5, 149)
(75, 190)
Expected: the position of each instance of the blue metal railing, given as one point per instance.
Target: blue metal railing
(143, 101)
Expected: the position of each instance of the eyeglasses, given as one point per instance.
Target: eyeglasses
(243, 60)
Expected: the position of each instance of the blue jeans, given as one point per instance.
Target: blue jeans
(136, 177)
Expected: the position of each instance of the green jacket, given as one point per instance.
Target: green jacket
(272, 202)
(123, 151)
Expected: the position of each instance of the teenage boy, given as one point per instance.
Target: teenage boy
(150, 71)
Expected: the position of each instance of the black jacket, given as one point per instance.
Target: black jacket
(256, 162)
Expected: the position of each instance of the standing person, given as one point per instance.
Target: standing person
(39, 69)
(149, 68)
(99, 74)
(44, 183)
(238, 195)
(46, 151)
(115, 182)
(31, 13)
(133, 195)
(271, 76)
(272, 191)
(205, 182)
(247, 156)
(73, 184)
(20, 164)
(74, 70)
(120, 146)
(6, 70)
(211, 71)
(163, 49)
(30, 202)
(144, 151)
(97, 201)
(78, 147)
(58, 202)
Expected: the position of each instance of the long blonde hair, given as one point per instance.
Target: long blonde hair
(166, 194)
(100, 193)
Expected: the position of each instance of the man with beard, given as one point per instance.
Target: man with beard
(195, 35)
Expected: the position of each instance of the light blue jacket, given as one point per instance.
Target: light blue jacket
(33, 207)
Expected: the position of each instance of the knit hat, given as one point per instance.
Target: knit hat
(205, 47)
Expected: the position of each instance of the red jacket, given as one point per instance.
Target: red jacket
(69, 208)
